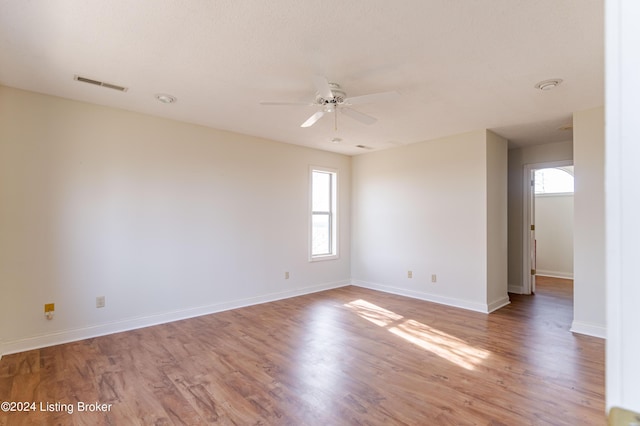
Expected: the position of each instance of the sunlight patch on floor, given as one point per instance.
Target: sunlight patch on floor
(374, 313)
(442, 344)
(431, 339)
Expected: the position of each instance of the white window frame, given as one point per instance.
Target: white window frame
(555, 194)
(333, 214)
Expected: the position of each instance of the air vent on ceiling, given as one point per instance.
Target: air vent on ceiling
(363, 147)
(99, 83)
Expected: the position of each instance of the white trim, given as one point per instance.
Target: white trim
(526, 216)
(622, 203)
(526, 230)
(334, 217)
(614, 352)
(515, 288)
(499, 303)
(555, 274)
(593, 330)
(442, 300)
(72, 335)
(555, 194)
(321, 258)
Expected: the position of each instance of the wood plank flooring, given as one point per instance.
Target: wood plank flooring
(348, 356)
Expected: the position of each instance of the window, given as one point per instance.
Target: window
(554, 180)
(323, 221)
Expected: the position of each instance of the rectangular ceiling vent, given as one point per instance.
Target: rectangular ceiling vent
(100, 83)
(363, 147)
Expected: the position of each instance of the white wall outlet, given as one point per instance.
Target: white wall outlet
(409, 274)
(100, 302)
(286, 275)
(434, 278)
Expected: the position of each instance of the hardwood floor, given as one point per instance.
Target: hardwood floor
(340, 357)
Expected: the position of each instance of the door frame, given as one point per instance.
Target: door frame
(528, 196)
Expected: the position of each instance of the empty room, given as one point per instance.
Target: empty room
(308, 213)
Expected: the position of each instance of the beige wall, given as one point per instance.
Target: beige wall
(497, 250)
(589, 313)
(423, 207)
(554, 235)
(164, 219)
(518, 158)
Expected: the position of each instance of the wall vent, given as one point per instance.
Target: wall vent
(99, 83)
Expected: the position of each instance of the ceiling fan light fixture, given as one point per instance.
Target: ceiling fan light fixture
(331, 98)
(548, 84)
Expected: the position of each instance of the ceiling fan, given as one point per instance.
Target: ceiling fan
(330, 97)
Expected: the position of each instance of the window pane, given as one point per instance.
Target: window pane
(549, 181)
(321, 191)
(323, 214)
(320, 232)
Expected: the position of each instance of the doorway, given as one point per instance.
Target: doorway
(547, 251)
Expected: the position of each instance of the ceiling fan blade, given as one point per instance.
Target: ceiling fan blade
(287, 103)
(373, 97)
(359, 116)
(312, 120)
(322, 86)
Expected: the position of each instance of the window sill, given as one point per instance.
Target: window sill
(323, 258)
(554, 194)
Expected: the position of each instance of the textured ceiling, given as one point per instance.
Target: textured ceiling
(458, 65)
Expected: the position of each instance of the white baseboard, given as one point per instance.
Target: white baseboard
(589, 329)
(516, 288)
(72, 335)
(555, 274)
(497, 304)
(449, 301)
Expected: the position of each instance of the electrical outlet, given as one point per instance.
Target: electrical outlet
(409, 274)
(48, 310)
(434, 278)
(286, 275)
(100, 302)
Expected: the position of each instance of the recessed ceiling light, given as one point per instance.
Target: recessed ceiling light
(336, 140)
(548, 84)
(166, 99)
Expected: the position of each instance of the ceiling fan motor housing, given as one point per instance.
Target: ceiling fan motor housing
(338, 96)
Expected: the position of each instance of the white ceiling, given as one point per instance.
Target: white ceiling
(459, 65)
